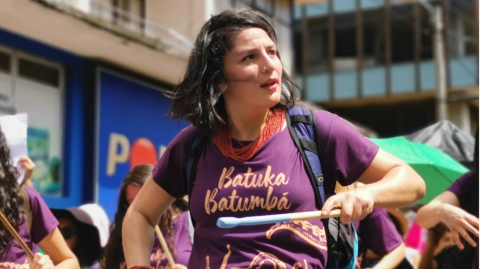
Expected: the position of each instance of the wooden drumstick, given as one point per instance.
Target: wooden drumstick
(230, 222)
(10, 228)
(164, 246)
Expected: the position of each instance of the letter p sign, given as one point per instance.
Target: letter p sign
(118, 150)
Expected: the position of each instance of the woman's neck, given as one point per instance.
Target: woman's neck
(246, 125)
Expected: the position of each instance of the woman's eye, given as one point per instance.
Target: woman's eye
(272, 52)
(249, 57)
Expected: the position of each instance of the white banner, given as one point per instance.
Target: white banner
(14, 128)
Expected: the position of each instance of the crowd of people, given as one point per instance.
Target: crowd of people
(238, 97)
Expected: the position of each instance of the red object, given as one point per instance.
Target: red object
(223, 141)
(143, 151)
(141, 267)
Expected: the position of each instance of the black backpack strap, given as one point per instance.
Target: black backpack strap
(341, 239)
(303, 129)
(192, 160)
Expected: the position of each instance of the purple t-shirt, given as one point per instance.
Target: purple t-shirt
(273, 181)
(181, 243)
(466, 190)
(43, 223)
(377, 233)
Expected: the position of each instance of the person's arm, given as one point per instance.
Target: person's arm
(432, 213)
(427, 260)
(445, 208)
(142, 216)
(389, 182)
(392, 259)
(55, 247)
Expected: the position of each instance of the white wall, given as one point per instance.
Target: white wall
(184, 16)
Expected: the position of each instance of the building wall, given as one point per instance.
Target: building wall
(384, 83)
(113, 120)
(74, 138)
(188, 16)
(185, 16)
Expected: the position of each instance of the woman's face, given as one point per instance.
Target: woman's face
(69, 232)
(131, 192)
(253, 72)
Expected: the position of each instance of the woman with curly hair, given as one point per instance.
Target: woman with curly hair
(236, 94)
(173, 225)
(32, 219)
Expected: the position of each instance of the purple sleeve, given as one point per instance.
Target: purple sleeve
(169, 172)
(461, 188)
(383, 236)
(344, 152)
(43, 221)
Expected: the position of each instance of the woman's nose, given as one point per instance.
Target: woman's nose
(267, 63)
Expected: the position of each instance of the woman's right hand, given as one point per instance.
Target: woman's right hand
(355, 205)
(41, 261)
(28, 165)
(460, 224)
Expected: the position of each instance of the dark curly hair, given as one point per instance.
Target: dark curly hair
(11, 203)
(113, 251)
(198, 98)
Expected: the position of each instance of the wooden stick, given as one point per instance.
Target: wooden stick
(230, 222)
(10, 228)
(164, 246)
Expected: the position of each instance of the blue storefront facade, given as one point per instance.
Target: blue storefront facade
(132, 128)
(111, 120)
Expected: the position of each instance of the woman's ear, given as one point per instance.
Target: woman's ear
(223, 87)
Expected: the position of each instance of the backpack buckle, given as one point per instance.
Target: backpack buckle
(319, 179)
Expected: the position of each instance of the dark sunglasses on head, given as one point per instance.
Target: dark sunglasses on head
(67, 232)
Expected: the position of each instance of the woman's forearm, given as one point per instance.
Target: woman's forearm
(137, 239)
(68, 263)
(400, 187)
(392, 259)
(430, 215)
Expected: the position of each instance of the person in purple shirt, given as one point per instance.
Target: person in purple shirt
(32, 219)
(173, 225)
(235, 92)
(457, 208)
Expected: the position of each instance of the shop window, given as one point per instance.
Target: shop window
(5, 60)
(39, 72)
(373, 38)
(402, 34)
(38, 92)
(317, 45)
